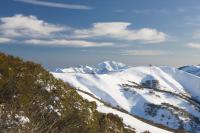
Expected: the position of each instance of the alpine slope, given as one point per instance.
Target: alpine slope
(147, 98)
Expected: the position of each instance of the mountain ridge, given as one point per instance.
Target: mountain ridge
(172, 94)
(101, 68)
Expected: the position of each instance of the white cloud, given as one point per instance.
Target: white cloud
(194, 45)
(31, 30)
(64, 42)
(144, 52)
(4, 40)
(150, 11)
(23, 26)
(56, 5)
(120, 30)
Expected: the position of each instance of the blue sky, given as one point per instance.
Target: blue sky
(71, 32)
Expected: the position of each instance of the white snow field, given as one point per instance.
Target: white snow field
(173, 103)
(129, 120)
(192, 69)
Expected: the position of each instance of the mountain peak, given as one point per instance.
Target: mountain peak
(101, 68)
(110, 66)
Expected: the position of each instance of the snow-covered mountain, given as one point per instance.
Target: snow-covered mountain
(156, 95)
(105, 67)
(191, 69)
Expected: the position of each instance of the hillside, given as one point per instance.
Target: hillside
(159, 95)
(32, 100)
(191, 69)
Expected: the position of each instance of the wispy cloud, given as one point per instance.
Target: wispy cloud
(119, 11)
(144, 52)
(55, 5)
(66, 42)
(192, 20)
(194, 45)
(143, 11)
(121, 31)
(150, 11)
(181, 10)
(5, 40)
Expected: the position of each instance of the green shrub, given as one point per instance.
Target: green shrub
(48, 105)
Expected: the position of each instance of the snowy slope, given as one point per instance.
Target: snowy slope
(189, 82)
(127, 119)
(191, 69)
(170, 103)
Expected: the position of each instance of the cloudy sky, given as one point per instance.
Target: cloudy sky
(61, 33)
